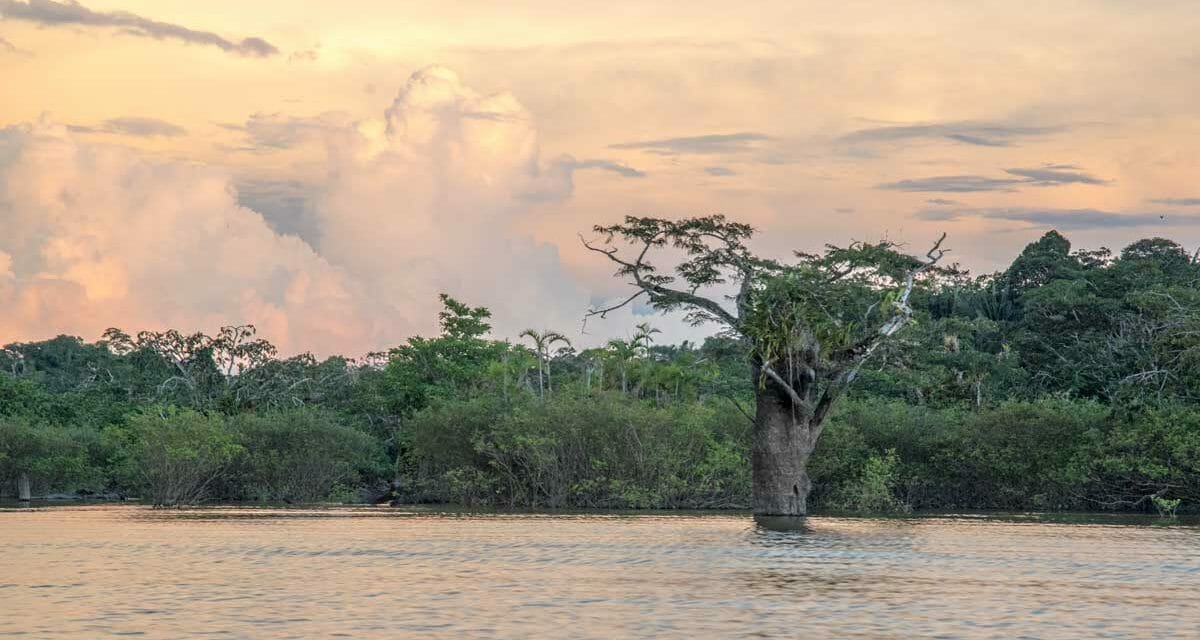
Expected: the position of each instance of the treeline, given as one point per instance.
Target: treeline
(1067, 381)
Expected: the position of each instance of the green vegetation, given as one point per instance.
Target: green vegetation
(1069, 380)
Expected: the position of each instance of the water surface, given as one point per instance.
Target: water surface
(108, 571)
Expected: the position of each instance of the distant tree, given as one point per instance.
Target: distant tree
(541, 346)
(622, 352)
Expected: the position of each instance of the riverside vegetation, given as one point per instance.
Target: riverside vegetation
(1067, 381)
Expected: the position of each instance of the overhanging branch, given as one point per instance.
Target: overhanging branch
(658, 293)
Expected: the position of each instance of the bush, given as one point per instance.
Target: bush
(874, 489)
(54, 458)
(178, 454)
(298, 455)
(600, 450)
(1019, 455)
(1154, 452)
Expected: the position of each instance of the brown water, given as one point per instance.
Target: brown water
(93, 572)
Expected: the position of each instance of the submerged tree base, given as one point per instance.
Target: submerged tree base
(782, 523)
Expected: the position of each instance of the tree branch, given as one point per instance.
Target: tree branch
(658, 293)
(773, 375)
(861, 352)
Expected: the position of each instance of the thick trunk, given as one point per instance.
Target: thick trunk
(23, 492)
(779, 457)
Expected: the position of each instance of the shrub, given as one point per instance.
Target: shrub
(298, 455)
(53, 458)
(179, 453)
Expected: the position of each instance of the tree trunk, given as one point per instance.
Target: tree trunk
(779, 456)
(23, 493)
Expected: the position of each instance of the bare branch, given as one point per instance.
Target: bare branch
(658, 293)
(604, 312)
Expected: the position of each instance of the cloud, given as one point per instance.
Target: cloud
(70, 13)
(1066, 219)
(981, 134)
(941, 201)
(1178, 202)
(1056, 174)
(305, 55)
(1049, 175)
(287, 206)
(557, 180)
(98, 236)
(133, 126)
(428, 198)
(698, 145)
(719, 171)
(953, 184)
(618, 168)
(279, 131)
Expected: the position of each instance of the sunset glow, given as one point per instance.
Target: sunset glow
(324, 172)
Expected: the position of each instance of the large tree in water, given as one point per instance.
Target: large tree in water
(810, 325)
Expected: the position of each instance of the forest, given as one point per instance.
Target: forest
(1068, 381)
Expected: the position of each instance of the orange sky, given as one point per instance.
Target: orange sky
(324, 180)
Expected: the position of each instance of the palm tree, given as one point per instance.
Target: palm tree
(541, 345)
(623, 351)
(593, 365)
(644, 337)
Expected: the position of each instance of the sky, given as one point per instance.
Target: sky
(324, 171)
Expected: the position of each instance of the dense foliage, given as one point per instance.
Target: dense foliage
(1069, 380)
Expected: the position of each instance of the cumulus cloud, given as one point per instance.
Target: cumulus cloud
(98, 236)
(980, 134)
(70, 13)
(1067, 219)
(698, 145)
(428, 198)
(133, 126)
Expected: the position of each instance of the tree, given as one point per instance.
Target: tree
(809, 326)
(622, 352)
(180, 453)
(644, 337)
(450, 365)
(541, 345)
(202, 367)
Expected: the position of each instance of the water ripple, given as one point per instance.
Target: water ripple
(376, 572)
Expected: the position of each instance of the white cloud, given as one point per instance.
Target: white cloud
(426, 199)
(97, 236)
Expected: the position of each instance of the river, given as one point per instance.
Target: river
(373, 572)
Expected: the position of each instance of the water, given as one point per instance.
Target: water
(92, 572)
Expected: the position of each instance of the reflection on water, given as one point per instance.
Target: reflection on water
(86, 572)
